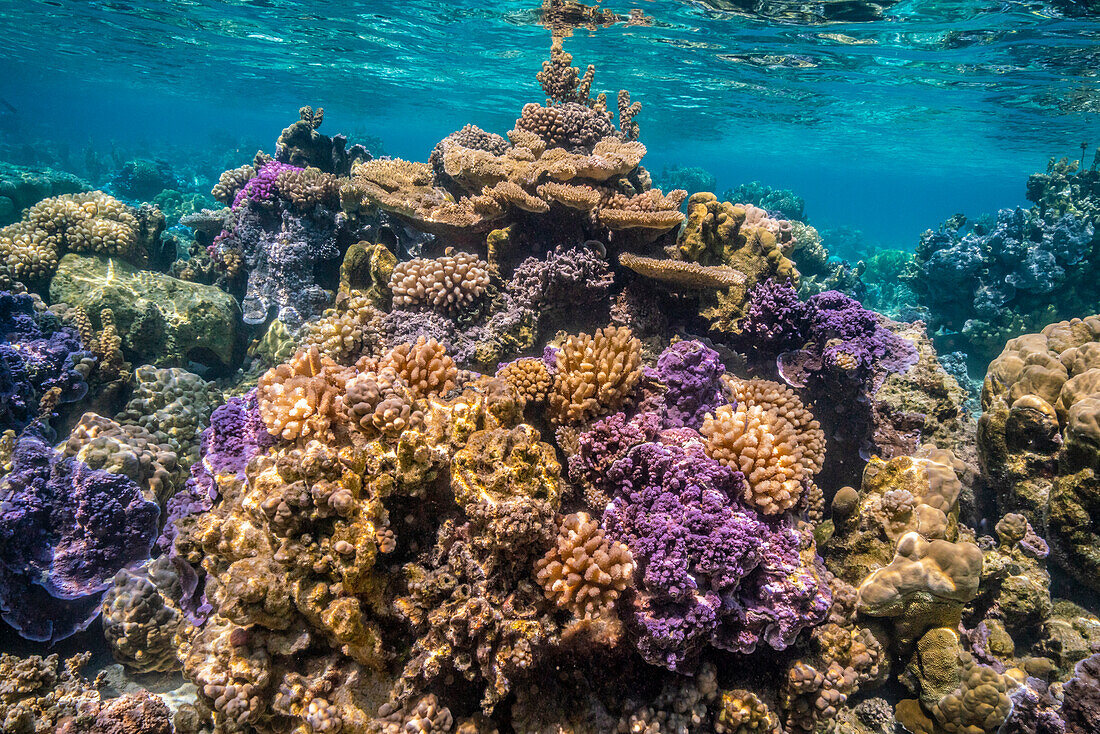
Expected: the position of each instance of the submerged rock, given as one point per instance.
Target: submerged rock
(162, 320)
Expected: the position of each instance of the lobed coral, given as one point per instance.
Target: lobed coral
(1037, 439)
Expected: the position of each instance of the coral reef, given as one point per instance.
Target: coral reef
(984, 282)
(510, 440)
(92, 223)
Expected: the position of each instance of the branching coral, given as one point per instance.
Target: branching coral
(595, 374)
(84, 223)
(983, 283)
(772, 439)
(585, 572)
(449, 284)
(302, 398)
(425, 367)
(708, 570)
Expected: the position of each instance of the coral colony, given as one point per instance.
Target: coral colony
(511, 440)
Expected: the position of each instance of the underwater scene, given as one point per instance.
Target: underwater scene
(637, 367)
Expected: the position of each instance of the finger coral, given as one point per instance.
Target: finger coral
(449, 284)
(595, 374)
(585, 573)
(766, 448)
(425, 367)
(302, 398)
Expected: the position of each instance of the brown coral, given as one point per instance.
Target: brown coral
(529, 378)
(449, 284)
(230, 182)
(345, 332)
(379, 403)
(87, 223)
(585, 572)
(303, 397)
(309, 188)
(425, 367)
(777, 445)
(595, 374)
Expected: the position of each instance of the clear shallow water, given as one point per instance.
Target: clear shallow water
(888, 119)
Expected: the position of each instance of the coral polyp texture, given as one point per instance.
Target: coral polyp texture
(502, 438)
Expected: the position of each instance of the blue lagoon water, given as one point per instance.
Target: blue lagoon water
(884, 116)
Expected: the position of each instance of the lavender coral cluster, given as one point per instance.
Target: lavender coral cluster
(36, 362)
(830, 336)
(235, 435)
(710, 571)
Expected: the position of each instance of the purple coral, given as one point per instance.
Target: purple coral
(848, 333)
(691, 373)
(65, 531)
(693, 546)
(261, 187)
(236, 434)
(785, 595)
(776, 319)
(602, 445)
(34, 362)
(831, 335)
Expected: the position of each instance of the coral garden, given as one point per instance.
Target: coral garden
(510, 440)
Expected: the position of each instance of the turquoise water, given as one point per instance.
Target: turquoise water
(885, 117)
